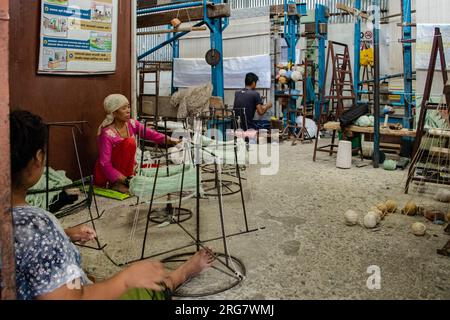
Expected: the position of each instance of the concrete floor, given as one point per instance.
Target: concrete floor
(305, 250)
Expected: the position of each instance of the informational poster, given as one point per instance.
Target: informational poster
(78, 37)
(424, 44)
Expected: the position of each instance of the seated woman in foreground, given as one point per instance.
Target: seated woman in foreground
(48, 265)
(116, 141)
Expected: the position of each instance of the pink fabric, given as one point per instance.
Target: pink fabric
(122, 159)
(109, 139)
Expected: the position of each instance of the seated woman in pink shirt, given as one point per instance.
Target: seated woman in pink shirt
(117, 144)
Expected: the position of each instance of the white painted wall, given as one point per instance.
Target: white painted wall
(243, 37)
(432, 11)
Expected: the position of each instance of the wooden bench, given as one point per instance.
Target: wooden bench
(336, 126)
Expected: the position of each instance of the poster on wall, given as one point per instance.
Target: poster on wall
(78, 37)
(424, 44)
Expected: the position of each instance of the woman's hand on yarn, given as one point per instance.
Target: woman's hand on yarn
(173, 142)
(145, 274)
(81, 234)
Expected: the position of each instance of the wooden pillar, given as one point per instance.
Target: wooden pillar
(7, 273)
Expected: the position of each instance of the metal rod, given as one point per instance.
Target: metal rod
(197, 221)
(188, 29)
(238, 173)
(150, 211)
(165, 43)
(222, 222)
(170, 7)
(357, 53)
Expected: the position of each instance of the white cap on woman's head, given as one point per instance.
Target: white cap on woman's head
(114, 102)
(111, 104)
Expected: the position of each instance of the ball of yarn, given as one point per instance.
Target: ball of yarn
(377, 211)
(296, 76)
(418, 229)
(282, 72)
(382, 207)
(282, 80)
(363, 121)
(390, 165)
(410, 209)
(370, 220)
(351, 218)
(288, 75)
(300, 69)
(434, 215)
(391, 206)
(377, 215)
(442, 195)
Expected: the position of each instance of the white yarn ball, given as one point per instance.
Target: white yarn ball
(300, 69)
(370, 220)
(419, 229)
(442, 195)
(296, 76)
(351, 218)
(282, 72)
(377, 214)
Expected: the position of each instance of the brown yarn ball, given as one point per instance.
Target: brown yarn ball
(382, 207)
(434, 215)
(410, 209)
(391, 206)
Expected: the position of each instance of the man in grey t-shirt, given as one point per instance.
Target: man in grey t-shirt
(248, 101)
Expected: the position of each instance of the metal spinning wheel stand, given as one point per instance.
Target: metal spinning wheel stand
(224, 259)
(182, 214)
(85, 203)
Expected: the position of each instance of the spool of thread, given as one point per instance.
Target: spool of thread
(344, 155)
(175, 22)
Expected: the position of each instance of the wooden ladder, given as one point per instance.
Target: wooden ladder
(341, 90)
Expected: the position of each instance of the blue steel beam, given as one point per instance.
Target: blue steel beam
(175, 55)
(291, 36)
(170, 7)
(357, 52)
(376, 46)
(407, 60)
(321, 17)
(216, 27)
(165, 43)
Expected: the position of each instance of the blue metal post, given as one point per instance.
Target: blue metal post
(357, 53)
(175, 55)
(217, 71)
(376, 45)
(407, 61)
(321, 17)
(216, 27)
(291, 25)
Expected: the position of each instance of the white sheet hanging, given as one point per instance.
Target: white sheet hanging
(196, 72)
